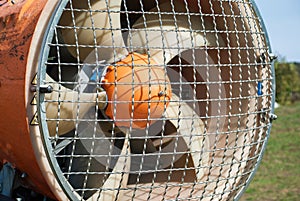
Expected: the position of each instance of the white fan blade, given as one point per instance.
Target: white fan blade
(191, 128)
(64, 104)
(167, 38)
(119, 160)
(118, 178)
(96, 28)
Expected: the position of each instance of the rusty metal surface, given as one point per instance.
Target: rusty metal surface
(17, 23)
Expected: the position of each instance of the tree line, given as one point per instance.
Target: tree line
(287, 82)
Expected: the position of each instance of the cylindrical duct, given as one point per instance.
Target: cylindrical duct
(135, 100)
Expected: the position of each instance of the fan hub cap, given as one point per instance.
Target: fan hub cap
(138, 91)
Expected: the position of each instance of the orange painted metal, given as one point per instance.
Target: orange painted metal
(18, 20)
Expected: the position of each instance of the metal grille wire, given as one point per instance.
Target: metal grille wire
(213, 69)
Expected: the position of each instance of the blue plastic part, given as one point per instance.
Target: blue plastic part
(259, 88)
(97, 74)
(94, 76)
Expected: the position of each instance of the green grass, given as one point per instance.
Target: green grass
(278, 176)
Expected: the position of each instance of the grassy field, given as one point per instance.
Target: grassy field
(278, 177)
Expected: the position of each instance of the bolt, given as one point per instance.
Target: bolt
(273, 117)
(46, 89)
(161, 93)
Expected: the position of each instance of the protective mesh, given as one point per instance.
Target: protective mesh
(195, 117)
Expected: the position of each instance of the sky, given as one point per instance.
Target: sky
(282, 20)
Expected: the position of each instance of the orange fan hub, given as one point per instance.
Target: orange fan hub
(138, 91)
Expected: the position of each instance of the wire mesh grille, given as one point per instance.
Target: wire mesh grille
(155, 100)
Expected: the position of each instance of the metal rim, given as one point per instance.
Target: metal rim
(242, 191)
(40, 100)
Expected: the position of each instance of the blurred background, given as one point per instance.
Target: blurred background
(278, 176)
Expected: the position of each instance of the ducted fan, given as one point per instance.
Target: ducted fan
(134, 100)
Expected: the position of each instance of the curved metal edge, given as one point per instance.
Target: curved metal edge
(41, 75)
(41, 109)
(263, 26)
(36, 60)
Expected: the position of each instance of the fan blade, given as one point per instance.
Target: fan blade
(191, 128)
(172, 34)
(107, 169)
(118, 178)
(103, 15)
(68, 103)
(109, 154)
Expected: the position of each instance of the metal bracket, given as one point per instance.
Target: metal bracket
(42, 89)
(272, 57)
(273, 117)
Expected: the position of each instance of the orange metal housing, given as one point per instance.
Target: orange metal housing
(17, 24)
